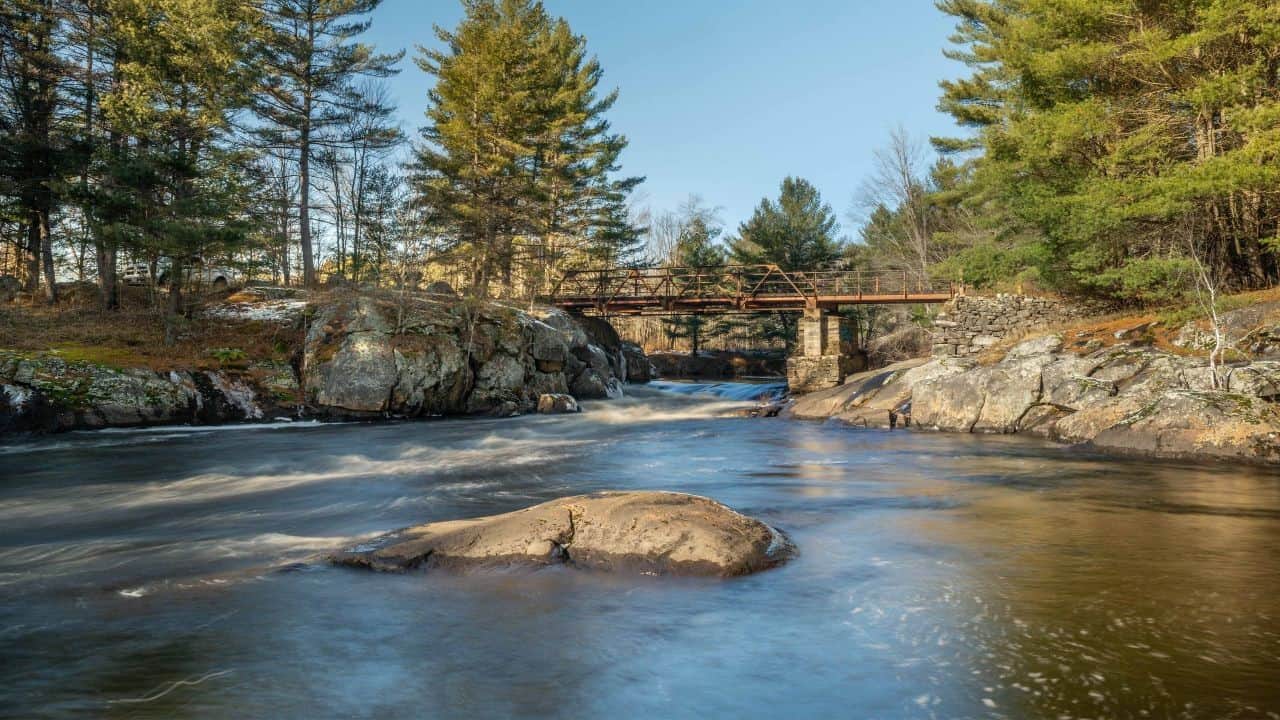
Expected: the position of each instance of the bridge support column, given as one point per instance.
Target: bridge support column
(825, 352)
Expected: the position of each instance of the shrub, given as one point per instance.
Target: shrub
(228, 356)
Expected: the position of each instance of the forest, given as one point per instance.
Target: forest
(1122, 151)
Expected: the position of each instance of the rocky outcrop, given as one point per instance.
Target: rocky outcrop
(46, 393)
(1124, 399)
(363, 356)
(431, 356)
(992, 398)
(639, 369)
(872, 399)
(1253, 330)
(633, 532)
(595, 362)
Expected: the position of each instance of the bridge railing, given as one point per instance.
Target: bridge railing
(735, 284)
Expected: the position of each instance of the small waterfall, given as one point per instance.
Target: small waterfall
(738, 391)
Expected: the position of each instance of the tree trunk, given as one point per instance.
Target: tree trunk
(46, 255)
(176, 272)
(485, 266)
(339, 216)
(304, 209)
(109, 291)
(31, 253)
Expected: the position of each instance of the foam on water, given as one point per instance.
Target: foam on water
(739, 391)
(206, 487)
(115, 437)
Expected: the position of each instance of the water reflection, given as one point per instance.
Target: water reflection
(939, 576)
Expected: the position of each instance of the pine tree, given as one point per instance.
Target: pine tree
(310, 92)
(90, 49)
(174, 185)
(699, 260)
(517, 156)
(796, 232)
(33, 150)
(1120, 131)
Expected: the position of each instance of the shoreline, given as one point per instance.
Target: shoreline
(1127, 400)
(352, 357)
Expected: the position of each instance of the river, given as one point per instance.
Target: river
(163, 574)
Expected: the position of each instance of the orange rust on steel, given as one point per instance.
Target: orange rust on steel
(735, 288)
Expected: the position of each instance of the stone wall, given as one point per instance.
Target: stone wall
(970, 324)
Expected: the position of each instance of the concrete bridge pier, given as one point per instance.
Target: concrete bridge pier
(826, 352)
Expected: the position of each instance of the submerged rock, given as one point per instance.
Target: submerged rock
(636, 532)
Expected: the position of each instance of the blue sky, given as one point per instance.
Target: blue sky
(724, 99)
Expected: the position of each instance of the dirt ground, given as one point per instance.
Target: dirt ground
(133, 336)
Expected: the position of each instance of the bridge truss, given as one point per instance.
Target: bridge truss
(736, 288)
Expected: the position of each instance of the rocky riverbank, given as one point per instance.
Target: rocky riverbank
(1130, 398)
(353, 356)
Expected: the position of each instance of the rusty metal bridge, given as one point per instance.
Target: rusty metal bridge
(736, 288)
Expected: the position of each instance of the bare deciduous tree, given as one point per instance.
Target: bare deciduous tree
(897, 185)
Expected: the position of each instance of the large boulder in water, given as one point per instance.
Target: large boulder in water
(638, 532)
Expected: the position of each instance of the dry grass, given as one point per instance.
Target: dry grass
(1112, 329)
(1093, 334)
(133, 336)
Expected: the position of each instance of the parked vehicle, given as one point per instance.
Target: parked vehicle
(138, 273)
(197, 274)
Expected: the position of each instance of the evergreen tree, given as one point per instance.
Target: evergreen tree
(32, 150)
(175, 187)
(1124, 133)
(699, 260)
(615, 238)
(796, 232)
(310, 95)
(517, 154)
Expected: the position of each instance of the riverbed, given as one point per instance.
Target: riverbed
(170, 573)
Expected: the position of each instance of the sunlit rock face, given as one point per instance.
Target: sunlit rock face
(1126, 399)
(362, 356)
(443, 355)
(656, 533)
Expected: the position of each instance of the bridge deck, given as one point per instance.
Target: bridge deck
(736, 288)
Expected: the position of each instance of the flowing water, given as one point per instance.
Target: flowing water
(166, 574)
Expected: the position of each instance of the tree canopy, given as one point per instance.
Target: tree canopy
(1128, 138)
(795, 232)
(517, 161)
